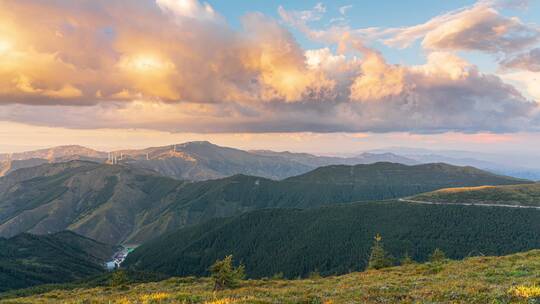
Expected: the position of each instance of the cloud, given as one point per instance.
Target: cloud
(479, 27)
(444, 94)
(97, 51)
(526, 80)
(177, 66)
(344, 9)
(188, 8)
(525, 61)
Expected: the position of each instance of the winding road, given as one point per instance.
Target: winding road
(467, 204)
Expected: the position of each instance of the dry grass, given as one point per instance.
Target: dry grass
(509, 279)
(464, 189)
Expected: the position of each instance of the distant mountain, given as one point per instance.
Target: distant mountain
(121, 204)
(320, 161)
(27, 260)
(195, 160)
(337, 239)
(58, 154)
(203, 161)
(520, 195)
(520, 166)
(14, 161)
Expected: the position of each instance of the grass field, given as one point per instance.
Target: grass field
(509, 279)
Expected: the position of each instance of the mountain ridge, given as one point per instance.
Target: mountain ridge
(122, 204)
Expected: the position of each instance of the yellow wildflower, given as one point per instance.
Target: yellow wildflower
(525, 291)
(155, 297)
(123, 300)
(222, 301)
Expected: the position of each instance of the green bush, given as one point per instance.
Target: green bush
(118, 278)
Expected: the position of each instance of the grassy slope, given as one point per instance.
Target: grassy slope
(524, 195)
(337, 239)
(474, 280)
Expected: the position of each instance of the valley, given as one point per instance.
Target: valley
(27, 260)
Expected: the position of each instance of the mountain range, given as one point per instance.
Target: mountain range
(203, 160)
(195, 160)
(122, 204)
(516, 165)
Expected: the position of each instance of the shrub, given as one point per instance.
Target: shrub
(225, 275)
(406, 259)
(118, 278)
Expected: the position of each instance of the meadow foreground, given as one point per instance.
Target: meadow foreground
(507, 279)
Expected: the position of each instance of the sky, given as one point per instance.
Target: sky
(325, 77)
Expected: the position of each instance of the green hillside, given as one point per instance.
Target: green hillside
(27, 260)
(477, 280)
(337, 239)
(119, 204)
(519, 195)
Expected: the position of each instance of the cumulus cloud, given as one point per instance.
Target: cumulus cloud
(188, 8)
(479, 27)
(526, 80)
(176, 65)
(169, 50)
(525, 61)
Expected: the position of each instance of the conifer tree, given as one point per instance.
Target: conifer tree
(437, 256)
(225, 275)
(406, 260)
(379, 258)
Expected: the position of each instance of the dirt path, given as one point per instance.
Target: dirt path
(468, 204)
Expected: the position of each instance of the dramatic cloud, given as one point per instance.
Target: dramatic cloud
(480, 27)
(529, 61)
(176, 65)
(173, 50)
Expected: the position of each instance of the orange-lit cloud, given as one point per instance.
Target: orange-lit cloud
(176, 65)
(529, 61)
(478, 27)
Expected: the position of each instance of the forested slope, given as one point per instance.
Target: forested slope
(27, 260)
(337, 239)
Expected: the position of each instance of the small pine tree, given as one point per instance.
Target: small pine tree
(406, 260)
(225, 275)
(118, 278)
(437, 256)
(379, 258)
